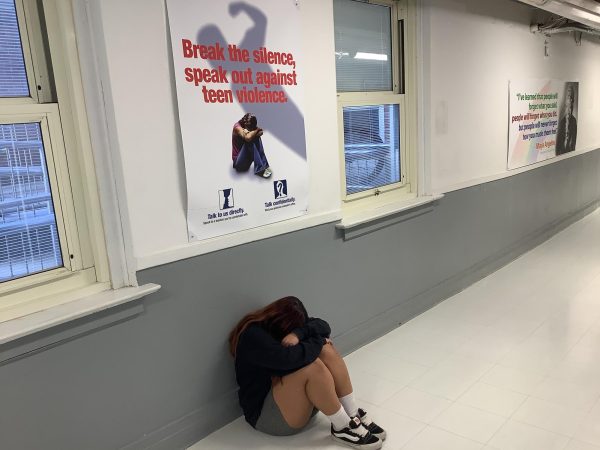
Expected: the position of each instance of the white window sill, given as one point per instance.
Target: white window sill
(54, 311)
(365, 215)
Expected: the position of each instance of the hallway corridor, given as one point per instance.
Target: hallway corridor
(511, 363)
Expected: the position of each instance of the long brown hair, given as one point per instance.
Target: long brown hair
(248, 121)
(279, 318)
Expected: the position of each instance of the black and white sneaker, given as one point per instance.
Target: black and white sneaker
(356, 436)
(373, 428)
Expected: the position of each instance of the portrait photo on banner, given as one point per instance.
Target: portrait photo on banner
(542, 120)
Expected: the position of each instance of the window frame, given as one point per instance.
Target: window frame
(60, 110)
(401, 78)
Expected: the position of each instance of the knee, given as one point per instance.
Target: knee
(318, 369)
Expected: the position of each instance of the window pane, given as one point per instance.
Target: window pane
(363, 46)
(13, 79)
(371, 146)
(28, 234)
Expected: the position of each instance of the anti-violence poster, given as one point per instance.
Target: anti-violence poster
(238, 71)
(543, 120)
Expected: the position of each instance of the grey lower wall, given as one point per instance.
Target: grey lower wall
(163, 379)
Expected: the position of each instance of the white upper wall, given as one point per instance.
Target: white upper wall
(473, 49)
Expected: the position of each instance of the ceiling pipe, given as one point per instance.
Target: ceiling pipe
(586, 12)
(563, 26)
(567, 29)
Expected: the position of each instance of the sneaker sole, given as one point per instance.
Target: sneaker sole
(374, 446)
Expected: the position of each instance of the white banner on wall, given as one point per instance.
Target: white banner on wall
(238, 70)
(543, 120)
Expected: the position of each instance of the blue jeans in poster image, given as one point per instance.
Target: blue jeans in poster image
(251, 152)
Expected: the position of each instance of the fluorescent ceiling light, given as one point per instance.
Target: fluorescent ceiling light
(373, 56)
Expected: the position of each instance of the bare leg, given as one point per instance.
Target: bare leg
(336, 365)
(299, 392)
(343, 386)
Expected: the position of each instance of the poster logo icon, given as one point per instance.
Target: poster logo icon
(226, 199)
(280, 189)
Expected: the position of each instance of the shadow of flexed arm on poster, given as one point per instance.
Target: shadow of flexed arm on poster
(257, 33)
(282, 120)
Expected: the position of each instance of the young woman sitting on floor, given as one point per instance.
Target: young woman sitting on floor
(288, 369)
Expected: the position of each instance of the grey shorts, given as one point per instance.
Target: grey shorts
(271, 420)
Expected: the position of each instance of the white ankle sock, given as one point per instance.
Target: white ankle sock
(340, 419)
(349, 404)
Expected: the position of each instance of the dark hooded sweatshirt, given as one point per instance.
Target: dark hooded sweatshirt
(259, 356)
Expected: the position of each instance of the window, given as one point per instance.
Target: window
(371, 147)
(13, 78)
(370, 74)
(48, 240)
(29, 241)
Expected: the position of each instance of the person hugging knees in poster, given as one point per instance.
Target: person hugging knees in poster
(288, 369)
(247, 147)
(566, 137)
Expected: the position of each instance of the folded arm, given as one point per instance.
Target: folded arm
(261, 349)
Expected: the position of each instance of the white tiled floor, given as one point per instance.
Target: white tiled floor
(512, 363)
